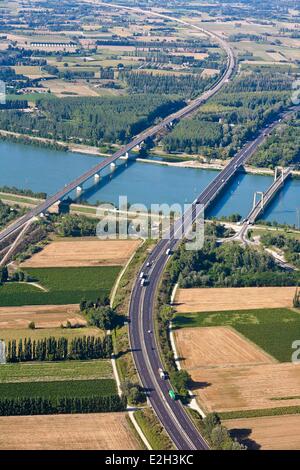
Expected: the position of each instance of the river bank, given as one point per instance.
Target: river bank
(216, 165)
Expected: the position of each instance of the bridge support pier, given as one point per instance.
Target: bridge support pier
(79, 190)
(97, 178)
(112, 166)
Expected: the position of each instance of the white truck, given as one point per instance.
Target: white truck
(162, 374)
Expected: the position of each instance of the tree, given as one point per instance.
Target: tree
(133, 392)
(181, 379)
(31, 325)
(103, 317)
(210, 422)
(3, 274)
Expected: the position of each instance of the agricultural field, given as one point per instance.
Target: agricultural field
(56, 371)
(41, 333)
(59, 389)
(241, 361)
(99, 431)
(44, 316)
(200, 347)
(267, 433)
(262, 387)
(273, 330)
(224, 299)
(83, 252)
(60, 286)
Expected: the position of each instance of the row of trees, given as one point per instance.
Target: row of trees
(52, 349)
(184, 85)
(45, 406)
(228, 265)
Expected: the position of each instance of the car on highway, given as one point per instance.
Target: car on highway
(172, 394)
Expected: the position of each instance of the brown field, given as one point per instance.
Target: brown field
(245, 298)
(44, 316)
(84, 252)
(239, 388)
(103, 431)
(216, 346)
(269, 433)
(62, 88)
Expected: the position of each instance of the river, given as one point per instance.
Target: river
(39, 169)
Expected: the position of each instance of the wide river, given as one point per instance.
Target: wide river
(39, 169)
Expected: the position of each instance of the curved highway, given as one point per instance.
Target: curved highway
(142, 325)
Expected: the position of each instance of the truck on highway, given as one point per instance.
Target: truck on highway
(162, 374)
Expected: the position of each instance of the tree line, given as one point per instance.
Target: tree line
(92, 121)
(45, 406)
(52, 349)
(186, 85)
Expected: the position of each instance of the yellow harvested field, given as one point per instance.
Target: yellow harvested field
(253, 387)
(44, 316)
(268, 433)
(62, 88)
(83, 252)
(96, 431)
(209, 73)
(216, 346)
(224, 299)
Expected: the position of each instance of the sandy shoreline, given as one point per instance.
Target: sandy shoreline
(93, 151)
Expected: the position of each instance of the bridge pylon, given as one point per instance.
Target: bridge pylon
(262, 200)
(279, 170)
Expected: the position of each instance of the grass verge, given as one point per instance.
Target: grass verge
(153, 430)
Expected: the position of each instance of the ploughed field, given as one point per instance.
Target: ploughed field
(267, 433)
(83, 252)
(96, 431)
(44, 316)
(237, 298)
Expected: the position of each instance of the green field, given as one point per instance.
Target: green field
(68, 370)
(64, 286)
(59, 389)
(273, 330)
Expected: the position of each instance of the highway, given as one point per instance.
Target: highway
(142, 324)
(139, 139)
